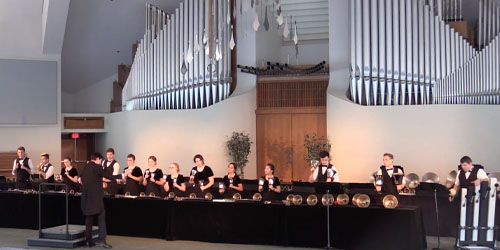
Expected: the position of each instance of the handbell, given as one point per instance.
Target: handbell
(297, 199)
(142, 194)
(412, 180)
(379, 180)
(152, 194)
(71, 191)
(312, 200)
(430, 178)
(271, 181)
(390, 201)
(398, 178)
(208, 196)
(453, 192)
(330, 173)
(237, 196)
(355, 199)
(450, 179)
(289, 197)
(342, 199)
(192, 195)
(327, 199)
(363, 201)
(171, 195)
(257, 197)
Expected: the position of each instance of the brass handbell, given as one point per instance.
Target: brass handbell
(312, 200)
(355, 199)
(192, 195)
(142, 194)
(208, 196)
(257, 197)
(327, 199)
(363, 201)
(453, 192)
(152, 194)
(297, 199)
(342, 199)
(71, 191)
(237, 196)
(289, 197)
(171, 195)
(390, 201)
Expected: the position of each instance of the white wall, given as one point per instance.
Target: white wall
(422, 138)
(95, 98)
(310, 53)
(21, 28)
(177, 135)
(36, 139)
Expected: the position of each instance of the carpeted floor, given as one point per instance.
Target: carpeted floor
(15, 239)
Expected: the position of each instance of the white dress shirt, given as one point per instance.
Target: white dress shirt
(481, 174)
(32, 169)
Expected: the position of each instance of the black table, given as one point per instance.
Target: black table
(238, 222)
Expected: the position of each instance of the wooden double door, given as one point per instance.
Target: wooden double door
(280, 139)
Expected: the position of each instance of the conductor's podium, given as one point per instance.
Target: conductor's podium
(71, 236)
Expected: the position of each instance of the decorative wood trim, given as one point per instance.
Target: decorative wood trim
(291, 110)
(83, 122)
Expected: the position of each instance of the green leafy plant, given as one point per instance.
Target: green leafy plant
(238, 148)
(315, 144)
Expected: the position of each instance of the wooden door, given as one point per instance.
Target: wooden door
(84, 147)
(313, 121)
(287, 109)
(274, 143)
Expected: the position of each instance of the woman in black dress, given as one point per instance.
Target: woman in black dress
(232, 182)
(269, 185)
(132, 175)
(174, 181)
(69, 175)
(153, 177)
(201, 175)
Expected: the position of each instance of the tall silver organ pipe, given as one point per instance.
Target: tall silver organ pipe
(404, 52)
(171, 69)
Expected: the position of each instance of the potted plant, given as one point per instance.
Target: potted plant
(315, 144)
(238, 148)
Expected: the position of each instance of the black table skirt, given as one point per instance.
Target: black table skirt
(243, 223)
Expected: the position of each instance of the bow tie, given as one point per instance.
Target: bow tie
(388, 169)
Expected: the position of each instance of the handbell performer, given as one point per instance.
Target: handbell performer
(22, 168)
(392, 180)
(324, 172)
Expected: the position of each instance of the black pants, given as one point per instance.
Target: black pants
(101, 222)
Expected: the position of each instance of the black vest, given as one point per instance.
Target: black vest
(109, 169)
(21, 174)
(388, 185)
(467, 182)
(45, 169)
(322, 177)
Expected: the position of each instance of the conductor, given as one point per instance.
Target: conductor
(92, 199)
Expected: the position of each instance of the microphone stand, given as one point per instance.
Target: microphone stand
(437, 221)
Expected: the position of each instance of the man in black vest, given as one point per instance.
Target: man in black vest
(469, 175)
(388, 172)
(22, 169)
(112, 167)
(46, 171)
(325, 172)
(92, 199)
